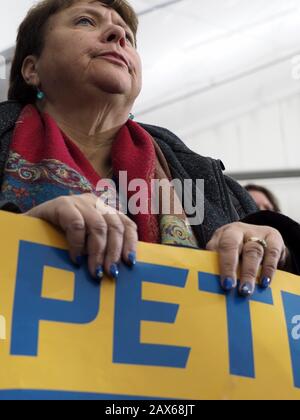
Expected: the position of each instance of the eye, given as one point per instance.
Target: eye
(85, 21)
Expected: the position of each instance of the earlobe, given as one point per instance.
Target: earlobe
(29, 71)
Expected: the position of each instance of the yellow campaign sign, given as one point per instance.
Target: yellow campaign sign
(165, 329)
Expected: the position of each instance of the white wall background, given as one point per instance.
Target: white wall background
(12, 12)
(224, 75)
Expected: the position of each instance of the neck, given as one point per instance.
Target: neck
(92, 128)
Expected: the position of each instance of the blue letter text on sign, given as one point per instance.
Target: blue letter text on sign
(291, 305)
(30, 307)
(130, 310)
(239, 323)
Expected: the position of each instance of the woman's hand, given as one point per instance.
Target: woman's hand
(94, 229)
(248, 242)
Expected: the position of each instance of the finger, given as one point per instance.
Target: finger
(130, 240)
(212, 245)
(96, 242)
(72, 223)
(115, 240)
(273, 255)
(252, 257)
(62, 213)
(229, 247)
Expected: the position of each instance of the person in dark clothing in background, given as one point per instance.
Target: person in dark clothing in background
(263, 197)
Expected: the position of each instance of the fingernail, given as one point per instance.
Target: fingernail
(246, 290)
(114, 271)
(79, 260)
(132, 258)
(265, 283)
(228, 284)
(99, 273)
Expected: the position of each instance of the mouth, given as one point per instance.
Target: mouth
(114, 58)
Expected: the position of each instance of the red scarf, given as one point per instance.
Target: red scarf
(37, 137)
(133, 151)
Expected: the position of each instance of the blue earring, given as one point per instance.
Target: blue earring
(40, 95)
(131, 116)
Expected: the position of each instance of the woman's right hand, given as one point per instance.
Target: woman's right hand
(94, 229)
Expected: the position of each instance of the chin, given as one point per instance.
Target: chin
(114, 86)
(114, 90)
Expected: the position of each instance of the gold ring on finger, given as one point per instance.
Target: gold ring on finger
(259, 241)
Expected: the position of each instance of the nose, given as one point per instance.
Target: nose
(115, 34)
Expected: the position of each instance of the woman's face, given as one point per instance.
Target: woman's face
(89, 48)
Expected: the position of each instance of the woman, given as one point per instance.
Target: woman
(264, 198)
(74, 80)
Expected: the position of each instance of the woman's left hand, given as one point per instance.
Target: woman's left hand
(256, 246)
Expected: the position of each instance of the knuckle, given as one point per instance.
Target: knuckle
(84, 200)
(218, 231)
(238, 225)
(99, 227)
(131, 237)
(76, 226)
(105, 208)
(97, 255)
(131, 225)
(274, 232)
(101, 207)
(85, 196)
(117, 228)
(223, 229)
(249, 273)
(227, 245)
(227, 267)
(274, 253)
(270, 267)
(254, 252)
(63, 201)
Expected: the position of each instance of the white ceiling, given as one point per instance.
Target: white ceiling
(191, 47)
(12, 12)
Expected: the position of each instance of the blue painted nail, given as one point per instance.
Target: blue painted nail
(99, 273)
(265, 283)
(114, 271)
(246, 290)
(228, 284)
(132, 258)
(79, 260)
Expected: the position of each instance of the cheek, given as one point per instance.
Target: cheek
(69, 49)
(64, 61)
